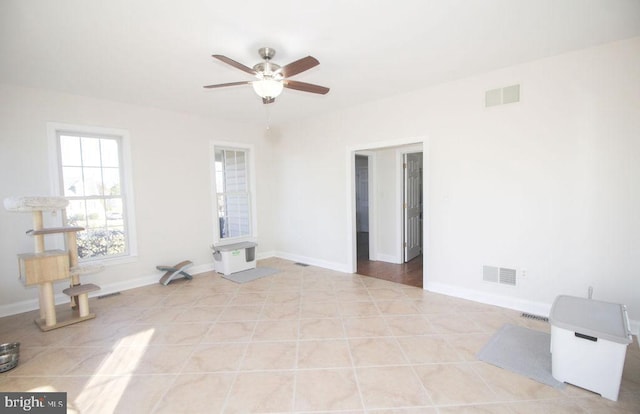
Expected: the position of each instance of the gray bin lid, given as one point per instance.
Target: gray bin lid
(591, 317)
(234, 246)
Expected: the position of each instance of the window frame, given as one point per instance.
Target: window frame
(250, 165)
(54, 130)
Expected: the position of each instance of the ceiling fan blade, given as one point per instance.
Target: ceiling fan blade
(222, 85)
(268, 100)
(305, 87)
(298, 66)
(235, 64)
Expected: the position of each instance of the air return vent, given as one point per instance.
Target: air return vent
(500, 275)
(501, 96)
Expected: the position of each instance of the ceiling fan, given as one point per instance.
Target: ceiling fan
(271, 78)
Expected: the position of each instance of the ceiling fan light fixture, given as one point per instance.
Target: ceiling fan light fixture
(267, 88)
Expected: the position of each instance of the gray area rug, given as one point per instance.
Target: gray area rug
(523, 351)
(251, 274)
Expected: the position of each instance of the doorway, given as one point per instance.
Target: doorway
(386, 236)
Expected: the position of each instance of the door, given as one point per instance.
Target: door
(412, 167)
(362, 194)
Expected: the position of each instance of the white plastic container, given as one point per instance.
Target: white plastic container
(589, 340)
(233, 258)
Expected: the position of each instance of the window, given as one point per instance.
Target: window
(91, 175)
(232, 193)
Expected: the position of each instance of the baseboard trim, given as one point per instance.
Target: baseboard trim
(105, 289)
(522, 305)
(339, 267)
(387, 258)
(536, 308)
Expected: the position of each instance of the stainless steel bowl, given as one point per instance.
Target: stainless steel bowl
(9, 355)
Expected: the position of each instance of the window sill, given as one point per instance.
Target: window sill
(113, 261)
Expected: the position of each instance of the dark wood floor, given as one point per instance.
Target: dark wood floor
(407, 273)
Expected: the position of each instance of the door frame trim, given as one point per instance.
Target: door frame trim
(351, 247)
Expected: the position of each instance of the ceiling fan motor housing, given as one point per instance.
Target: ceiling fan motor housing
(267, 53)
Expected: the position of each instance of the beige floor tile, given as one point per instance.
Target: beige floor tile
(180, 300)
(158, 359)
(449, 384)
(452, 323)
(47, 361)
(627, 403)
(428, 349)
(318, 295)
(397, 307)
(387, 294)
(276, 330)
(287, 310)
(214, 299)
(319, 310)
(318, 390)
(269, 355)
(467, 346)
(198, 314)
(178, 334)
(358, 309)
(385, 387)
(366, 327)
(479, 409)
(509, 386)
(124, 394)
(249, 298)
(240, 313)
(409, 325)
(561, 406)
(196, 393)
(409, 410)
(376, 351)
(489, 321)
(323, 354)
(282, 297)
(215, 357)
(229, 332)
(255, 392)
(321, 328)
(353, 295)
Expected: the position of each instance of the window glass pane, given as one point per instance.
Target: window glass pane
(76, 214)
(96, 216)
(114, 214)
(109, 149)
(72, 181)
(91, 152)
(95, 243)
(92, 181)
(70, 151)
(233, 193)
(111, 180)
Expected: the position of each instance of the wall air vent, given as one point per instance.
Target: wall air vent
(501, 96)
(500, 275)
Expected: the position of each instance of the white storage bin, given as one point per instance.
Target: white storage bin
(232, 258)
(589, 340)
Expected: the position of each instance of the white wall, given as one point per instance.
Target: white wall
(387, 199)
(549, 184)
(170, 153)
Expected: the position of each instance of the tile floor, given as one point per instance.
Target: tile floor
(304, 340)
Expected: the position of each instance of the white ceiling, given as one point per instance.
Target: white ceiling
(158, 52)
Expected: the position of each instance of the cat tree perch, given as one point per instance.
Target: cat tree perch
(44, 267)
